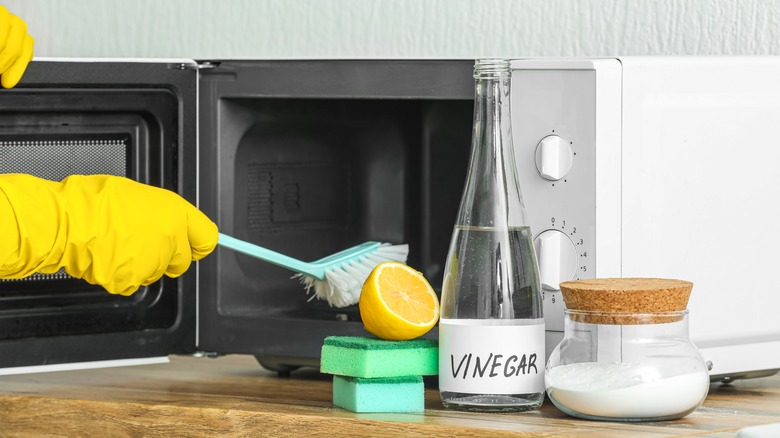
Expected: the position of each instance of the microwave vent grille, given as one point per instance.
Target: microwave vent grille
(55, 159)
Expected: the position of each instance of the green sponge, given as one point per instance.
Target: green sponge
(358, 356)
(392, 394)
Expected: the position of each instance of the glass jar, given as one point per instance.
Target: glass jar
(625, 365)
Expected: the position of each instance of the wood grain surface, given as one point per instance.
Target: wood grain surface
(233, 396)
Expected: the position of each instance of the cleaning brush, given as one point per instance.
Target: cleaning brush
(337, 278)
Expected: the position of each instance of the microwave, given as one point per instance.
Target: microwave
(660, 167)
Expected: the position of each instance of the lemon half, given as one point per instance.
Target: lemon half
(397, 303)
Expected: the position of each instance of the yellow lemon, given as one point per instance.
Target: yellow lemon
(397, 303)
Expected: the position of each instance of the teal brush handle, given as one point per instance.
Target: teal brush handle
(270, 256)
(315, 269)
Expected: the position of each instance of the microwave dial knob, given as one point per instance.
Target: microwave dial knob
(553, 158)
(557, 258)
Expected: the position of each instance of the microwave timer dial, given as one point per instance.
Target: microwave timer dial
(557, 255)
(553, 157)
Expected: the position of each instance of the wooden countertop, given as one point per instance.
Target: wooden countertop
(234, 396)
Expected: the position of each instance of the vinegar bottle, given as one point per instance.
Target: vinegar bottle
(491, 332)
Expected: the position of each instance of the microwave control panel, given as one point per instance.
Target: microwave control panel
(553, 131)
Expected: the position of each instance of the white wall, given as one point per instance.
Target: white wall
(398, 28)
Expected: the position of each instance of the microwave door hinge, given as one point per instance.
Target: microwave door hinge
(203, 65)
(209, 354)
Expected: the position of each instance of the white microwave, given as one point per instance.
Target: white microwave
(659, 167)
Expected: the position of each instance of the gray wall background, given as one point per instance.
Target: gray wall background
(399, 28)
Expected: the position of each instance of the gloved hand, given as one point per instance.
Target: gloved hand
(16, 48)
(108, 230)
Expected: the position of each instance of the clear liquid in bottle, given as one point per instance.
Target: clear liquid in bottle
(496, 307)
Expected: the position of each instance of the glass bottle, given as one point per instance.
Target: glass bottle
(491, 332)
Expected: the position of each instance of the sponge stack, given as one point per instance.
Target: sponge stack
(374, 375)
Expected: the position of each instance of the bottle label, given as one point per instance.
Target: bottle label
(478, 356)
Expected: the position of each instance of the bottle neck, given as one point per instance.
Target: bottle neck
(492, 118)
(492, 195)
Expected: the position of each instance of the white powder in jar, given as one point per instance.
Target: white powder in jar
(622, 390)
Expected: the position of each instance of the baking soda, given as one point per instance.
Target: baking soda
(622, 390)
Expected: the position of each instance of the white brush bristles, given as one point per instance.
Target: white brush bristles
(342, 285)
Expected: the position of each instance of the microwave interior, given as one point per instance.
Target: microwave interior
(308, 158)
(303, 157)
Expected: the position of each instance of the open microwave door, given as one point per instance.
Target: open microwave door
(127, 118)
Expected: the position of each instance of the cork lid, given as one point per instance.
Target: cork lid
(627, 300)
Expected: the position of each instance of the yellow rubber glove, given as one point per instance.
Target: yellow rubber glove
(108, 230)
(16, 48)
